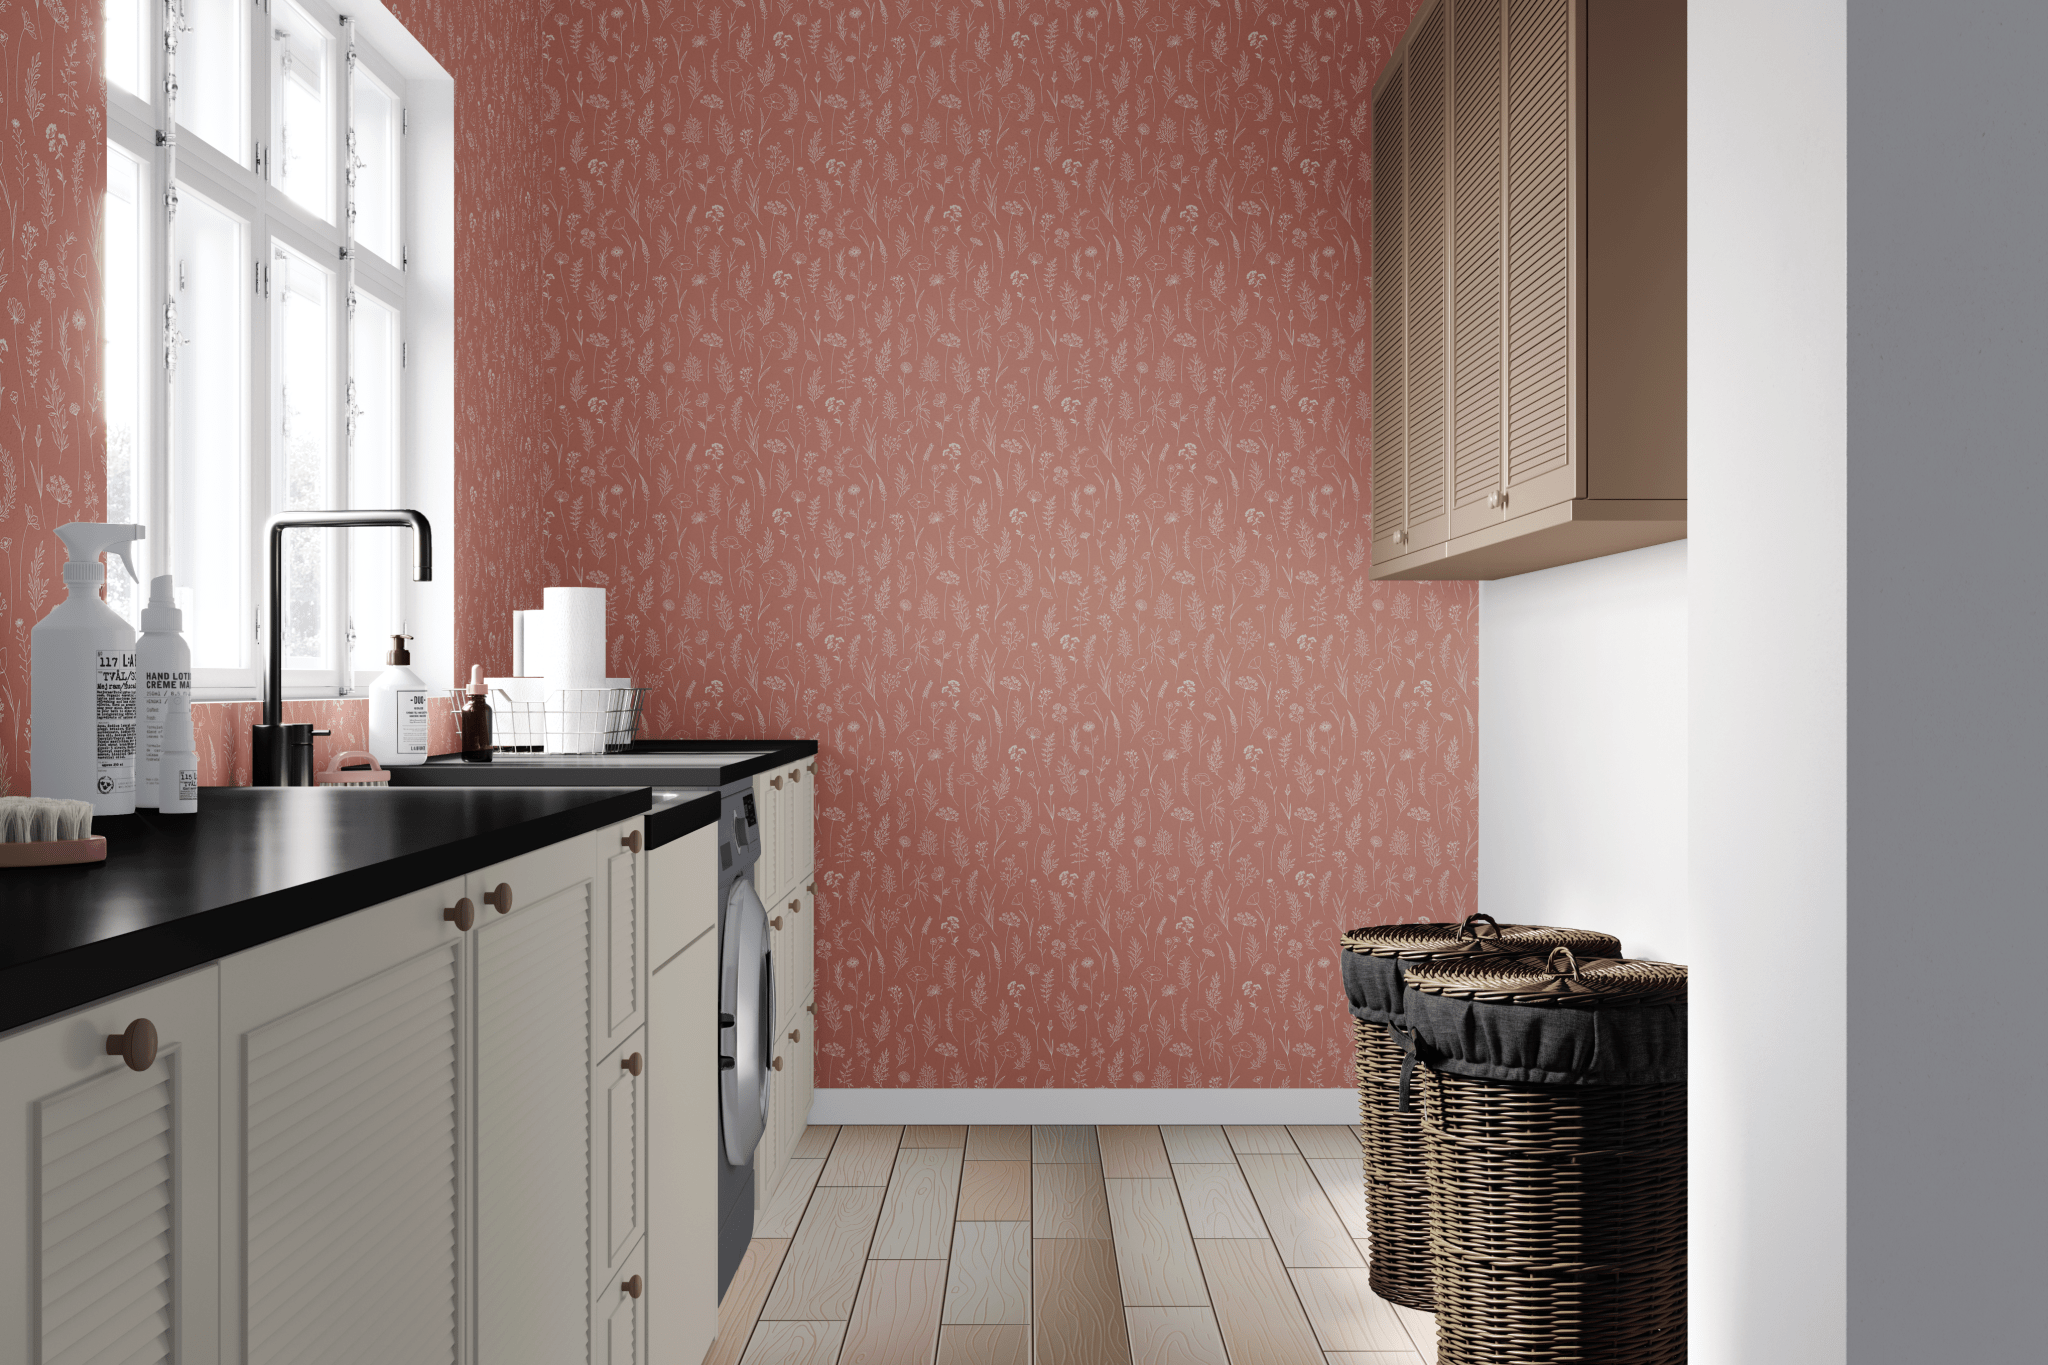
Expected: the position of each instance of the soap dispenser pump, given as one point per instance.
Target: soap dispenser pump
(82, 680)
(398, 710)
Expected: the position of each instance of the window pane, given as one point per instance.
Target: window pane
(302, 107)
(303, 464)
(373, 481)
(213, 75)
(377, 152)
(209, 529)
(129, 27)
(126, 283)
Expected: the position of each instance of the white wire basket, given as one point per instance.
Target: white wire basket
(568, 720)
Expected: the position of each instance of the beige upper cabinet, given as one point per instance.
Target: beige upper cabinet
(1528, 286)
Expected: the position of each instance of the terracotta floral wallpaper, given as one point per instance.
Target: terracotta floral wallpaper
(981, 389)
(53, 177)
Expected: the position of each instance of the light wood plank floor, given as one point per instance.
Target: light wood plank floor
(1066, 1246)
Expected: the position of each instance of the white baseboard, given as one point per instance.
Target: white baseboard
(1084, 1106)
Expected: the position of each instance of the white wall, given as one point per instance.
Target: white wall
(1767, 515)
(1582, 749)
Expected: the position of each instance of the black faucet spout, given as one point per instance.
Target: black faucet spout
(269, 737)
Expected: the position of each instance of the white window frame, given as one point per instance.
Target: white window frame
(419, 290)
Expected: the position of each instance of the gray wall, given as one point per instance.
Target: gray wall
(1948, 672)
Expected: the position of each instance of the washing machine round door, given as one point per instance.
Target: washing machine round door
(747, 997)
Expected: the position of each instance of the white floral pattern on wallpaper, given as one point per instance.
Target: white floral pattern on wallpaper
(53, 176)
(981, 389)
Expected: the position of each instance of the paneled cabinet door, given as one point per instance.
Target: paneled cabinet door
(618, 1152)
(768, 808)
(532, 1009)
(807, 822)
(109, 1193)
(785, 929)
(341, 1116)
(619, 953)
(682, 1213)
(618, 1317)
(806, 974)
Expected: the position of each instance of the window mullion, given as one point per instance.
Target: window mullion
(345, 361)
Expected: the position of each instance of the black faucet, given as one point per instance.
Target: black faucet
(281, 755)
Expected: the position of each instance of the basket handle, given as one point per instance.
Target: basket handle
(1571, 963)
(342, 760)
(1470, 928)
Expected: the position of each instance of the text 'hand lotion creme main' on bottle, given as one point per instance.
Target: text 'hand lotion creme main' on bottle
(82, 690)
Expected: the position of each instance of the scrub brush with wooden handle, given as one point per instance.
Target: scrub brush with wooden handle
(44, 831)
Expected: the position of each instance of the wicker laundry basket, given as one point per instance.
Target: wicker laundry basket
(1553, 1134)
(1396, 1188)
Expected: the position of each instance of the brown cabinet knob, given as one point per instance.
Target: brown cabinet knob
(796, 775)
(631, 841)
(777, 1063)
(775, 923)
(811, 768)
(137, 1046)
(795, 906)
(501, 898)
(776, 782)
(810, 888)
(632, 1287)
(811, 1010)
(462, 914)
(796, 1035)
(630, 1065)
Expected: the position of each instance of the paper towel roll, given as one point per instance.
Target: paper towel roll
(569, 646)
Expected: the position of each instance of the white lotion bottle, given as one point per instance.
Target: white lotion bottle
(398, 710)
(163, 662)
(178, 765)
(82, 692)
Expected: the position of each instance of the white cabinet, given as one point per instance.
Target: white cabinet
(681, 1249)
(619, 946)
(618, 1316)
(618, 1153)
(109, 1194)
(533, 1031)
(341, 1123)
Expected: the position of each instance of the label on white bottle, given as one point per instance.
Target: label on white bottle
(412, 720)
(161, 688)
(114, 706)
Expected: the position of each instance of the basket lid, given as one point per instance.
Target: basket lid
(1562, 978)
(1479, 936)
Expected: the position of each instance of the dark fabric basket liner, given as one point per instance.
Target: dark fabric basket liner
(1374, 987)
(1546, 1044)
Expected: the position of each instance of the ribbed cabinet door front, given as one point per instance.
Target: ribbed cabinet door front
(343, 1107)
(1427, 257)
(1478, 269)
(533, 1166)
(1389, 318)
(620, 956)
(1542, 464)
(108, 1184)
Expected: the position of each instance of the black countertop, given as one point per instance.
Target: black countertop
(255, 864)
(664, 762)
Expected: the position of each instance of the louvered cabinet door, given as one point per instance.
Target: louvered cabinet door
(342, 1110)
(1478, 266)
(1543, 465)
(533, 1131)
(109, 1194)
(1389, 318)
(620, 959)
(1425, 520)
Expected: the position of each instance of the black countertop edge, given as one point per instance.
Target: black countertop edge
(447, 770)
(74, 978)
(667, 826)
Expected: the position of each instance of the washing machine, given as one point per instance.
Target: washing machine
(746, 1024)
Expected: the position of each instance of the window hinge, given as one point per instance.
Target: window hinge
(404, 121)
(260, 169)
(404, 258)
(161, 140)
(181, 275)
(347, 253)
(403, 356)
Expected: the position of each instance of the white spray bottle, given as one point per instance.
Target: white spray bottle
(82, 690)
(164, 663)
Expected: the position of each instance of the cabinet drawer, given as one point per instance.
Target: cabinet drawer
(618, 1316)
(619, 954)
(618, 1155)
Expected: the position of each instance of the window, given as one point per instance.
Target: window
(257, 328)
